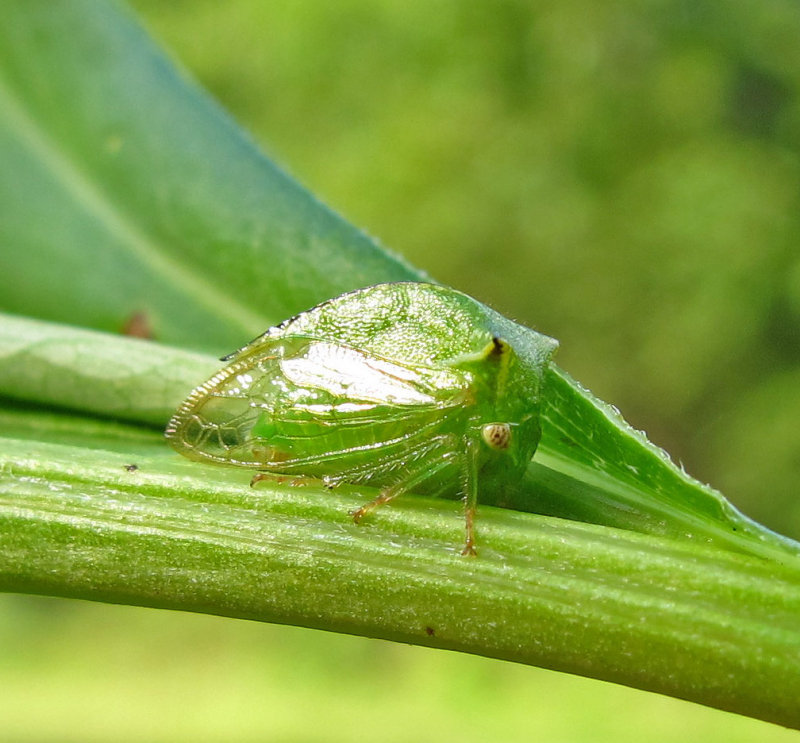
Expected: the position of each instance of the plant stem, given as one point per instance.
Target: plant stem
(699, 623)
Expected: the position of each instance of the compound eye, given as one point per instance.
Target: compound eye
(497, 435)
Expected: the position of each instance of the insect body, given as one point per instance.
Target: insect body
(409, 387)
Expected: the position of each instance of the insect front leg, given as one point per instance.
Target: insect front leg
(470, 487)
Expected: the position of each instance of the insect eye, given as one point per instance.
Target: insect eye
(497, 435)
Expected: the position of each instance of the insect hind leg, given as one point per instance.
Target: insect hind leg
(280, 478)
(427, 465)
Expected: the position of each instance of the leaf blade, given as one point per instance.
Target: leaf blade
(154, 197)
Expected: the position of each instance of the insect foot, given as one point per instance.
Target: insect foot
(384, 497)
(357, 514)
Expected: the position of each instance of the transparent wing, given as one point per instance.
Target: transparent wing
(309, 406)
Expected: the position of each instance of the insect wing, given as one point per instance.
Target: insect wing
(309, 406)
(215, 420)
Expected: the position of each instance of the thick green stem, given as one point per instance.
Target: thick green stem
(694, 622)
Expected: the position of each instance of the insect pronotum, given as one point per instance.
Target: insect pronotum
(409, 387)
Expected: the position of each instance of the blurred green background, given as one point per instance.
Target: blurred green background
(623, 176)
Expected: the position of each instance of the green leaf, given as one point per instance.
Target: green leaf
(114, 376)
(603, 471)
(155, 202)
(126, 193)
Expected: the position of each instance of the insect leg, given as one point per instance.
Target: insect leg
(470, 475)
(426, 467)
(279, 478)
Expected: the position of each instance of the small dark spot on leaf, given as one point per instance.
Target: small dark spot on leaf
(131, 467)
(138, 326)
(430, 631)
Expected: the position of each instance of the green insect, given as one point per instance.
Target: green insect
(409, 387)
